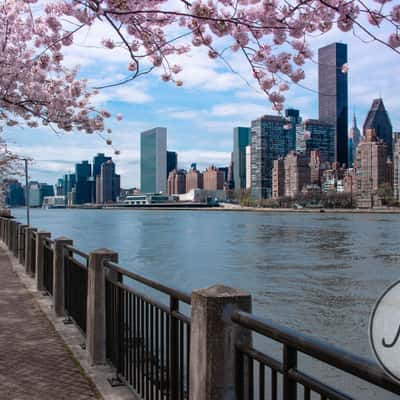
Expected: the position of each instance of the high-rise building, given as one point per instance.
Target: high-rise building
(371, 168)
(177, 182)
(172, 161)
(15, 193)
(241, 139)
(333, 94)
(354, 139)
(278, 179)
(83, 187)
(396, 166)
(34, 194)
(107, 182)
(153, 160)
(213, 179)
(268, 143)
(293, 116)
(248, 167)
(45, 190)
(98, 160)
(320, 136)
(194, 179)
(378, 119)
(297, 173)
(60, 187)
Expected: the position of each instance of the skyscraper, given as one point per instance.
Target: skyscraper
(333, 95)
(294, 119)
(354, 140)
(108, 183)
(268, 143)
(83, 187)
(153, 160)
(172, 161)
(97, 162)
(320, 136)
(241, 139)
(378, 119)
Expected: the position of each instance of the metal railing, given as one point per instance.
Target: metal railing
(48, 265)
(147, 341)
(76, 285)
(286, 373)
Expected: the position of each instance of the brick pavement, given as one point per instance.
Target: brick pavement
(35, 363)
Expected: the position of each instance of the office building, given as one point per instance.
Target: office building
(213, 179)
(396, 167)
(333, 95)
(98, 161)
(83, 186)
(297, 173)
(14, 192)
(194, 179)
(60, 187)
(177, 182)
(34, 194)
(378, 119)
(268, 143)
(172, 161)
(320, 136)
(248, 167)
(315, 167)
(354, 140)
(153, 160)
(293, 117)
(371, 168)
(108, 183)
(241, 139)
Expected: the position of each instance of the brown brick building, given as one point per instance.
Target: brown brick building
(213, 179)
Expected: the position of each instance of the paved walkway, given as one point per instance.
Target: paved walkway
(34, 361)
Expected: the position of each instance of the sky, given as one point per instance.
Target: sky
(201, 115)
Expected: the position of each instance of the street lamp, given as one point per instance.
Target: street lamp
(26, 191)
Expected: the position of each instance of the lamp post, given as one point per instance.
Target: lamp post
(26, 192)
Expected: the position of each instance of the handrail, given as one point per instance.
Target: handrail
(176, 293)
(332, 355)
(77, 251)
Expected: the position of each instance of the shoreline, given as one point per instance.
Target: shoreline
(248, 209)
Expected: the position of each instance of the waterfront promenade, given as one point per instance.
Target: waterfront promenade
(35, 363)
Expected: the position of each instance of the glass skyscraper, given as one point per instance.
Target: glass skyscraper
(333, 94)
(153, 160)
(241, 139)
(268, 143)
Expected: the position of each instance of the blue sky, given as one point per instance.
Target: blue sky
(201, 115)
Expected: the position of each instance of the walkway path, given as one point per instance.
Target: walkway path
(34, 361)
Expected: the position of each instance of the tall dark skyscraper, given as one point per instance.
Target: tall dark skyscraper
(172, 161)
(378, 119)
(83, 171)
(97, 162)
(333, 94)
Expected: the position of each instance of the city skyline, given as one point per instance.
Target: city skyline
(200, 116)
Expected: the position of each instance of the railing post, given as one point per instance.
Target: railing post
(40, 259)
(96, 305)
(15, 238)
(21, 241)
(213, 342)
(8, 233)
(289, 362)
(58, 279)
(28, 249)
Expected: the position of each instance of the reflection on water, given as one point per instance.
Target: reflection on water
(318, 273)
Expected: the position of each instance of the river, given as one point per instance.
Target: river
(318, 273)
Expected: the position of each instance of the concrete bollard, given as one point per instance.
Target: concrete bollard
(96, 305)
(28, 250)
(213, 342)
(58, 280)
(40, 259)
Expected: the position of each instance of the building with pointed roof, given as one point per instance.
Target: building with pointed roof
(378, 119)
(354, 140)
